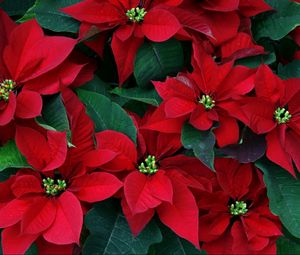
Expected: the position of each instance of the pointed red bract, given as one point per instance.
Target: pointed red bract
(44, 153)
(68, 218)
(12, 236)
(96, 187)
(181, 215)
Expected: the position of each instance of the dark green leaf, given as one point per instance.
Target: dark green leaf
(290, 70)
(107, 114)
(10, 156)
(99, 86)
(54, 112)
(16, 7)
(278, 24)
(5, 174)
(255, 61)
(30, 14)
(148, 96)
(174, 245)
(287, 246)
(286, 49)
(283, 193)
(201, 142)
(33, 250)
(110, 233)
(54, 115)
(154, 61)
(137, 107)
(49, 16)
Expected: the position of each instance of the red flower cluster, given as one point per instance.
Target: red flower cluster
(222, 212)
(31, 65)
(234, 213)
(42, 203)
(159, 20)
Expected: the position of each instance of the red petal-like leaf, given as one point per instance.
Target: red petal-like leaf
(14, 242)
(96, 186)
(29, 104)
(67, 225)
(182, 215)
(39, 216)
(160, 25)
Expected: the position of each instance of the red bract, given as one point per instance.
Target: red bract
(46, 248)
(154, 180)
(245, 7)
(240, 46)
(34, 205)
(234, 216)
(209, 94)
(31, 64)
(275, 111)
(233, 11)
(131, 20)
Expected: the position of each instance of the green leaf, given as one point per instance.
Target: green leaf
(16, 7)
(290, 70)
(10, 156)
(33, 250)
(155, 61)
(99, 86)
(54, 115)
(201, 142)
(148, 96)
(5, 174)
(49, 16)
(30, 14)
(255, 61)
(278, 24)
(110, 233)
(107, 114)
(283, 192)
(288, 244)
(174, 245)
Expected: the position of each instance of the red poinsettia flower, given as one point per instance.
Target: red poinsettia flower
(154, 179)
(207, 95)
(31, 64)
(234, 216)
(275, 111)
(131, 20)
(48, 204)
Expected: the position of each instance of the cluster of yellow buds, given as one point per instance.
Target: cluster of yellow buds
(136, 14)
(6, 87)
(149, 167)
(207, 102)
(52, 188)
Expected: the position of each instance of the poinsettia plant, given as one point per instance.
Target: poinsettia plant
(149, 127)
